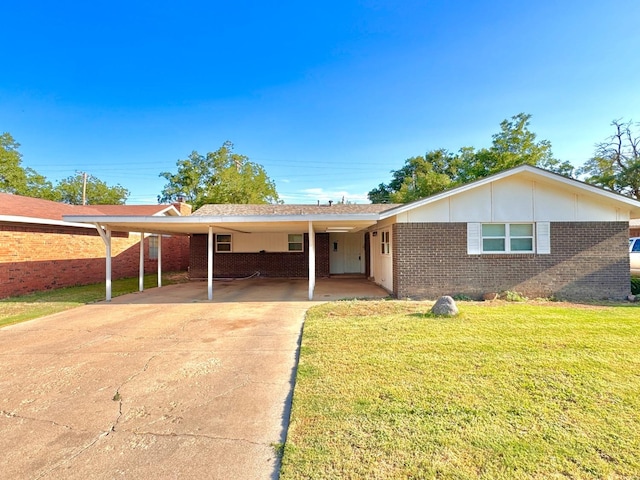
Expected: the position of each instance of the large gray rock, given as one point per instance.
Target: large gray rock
(445, 306)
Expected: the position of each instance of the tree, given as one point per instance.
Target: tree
(218, 177)
(616, 163)
(439, 170)
(98, 192)
(19, 180)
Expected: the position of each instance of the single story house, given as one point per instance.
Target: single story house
(524, 229)
(39, 250)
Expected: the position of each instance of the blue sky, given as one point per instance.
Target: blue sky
(327, 96)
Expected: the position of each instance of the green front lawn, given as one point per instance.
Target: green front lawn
(28, 307)
(504, 391)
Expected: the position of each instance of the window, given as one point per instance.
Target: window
(295, 242)
(636, 245)
(385, 243)
(153, 247)
(223, 243)
(507, 238)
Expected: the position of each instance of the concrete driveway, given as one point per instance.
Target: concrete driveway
(160, 384)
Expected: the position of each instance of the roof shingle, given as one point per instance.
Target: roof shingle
(281, 209)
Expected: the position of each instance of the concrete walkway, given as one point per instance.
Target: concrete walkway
(161, 384)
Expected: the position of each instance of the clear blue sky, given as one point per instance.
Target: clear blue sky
(328, 96)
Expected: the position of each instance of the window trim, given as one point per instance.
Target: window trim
(301, 242)
(541, 239)
(218, 242)
(508, 237)
(153, 247)
(385, 242)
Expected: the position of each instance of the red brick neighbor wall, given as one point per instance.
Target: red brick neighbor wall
(588, 261)
(36, 258)
(269, 264)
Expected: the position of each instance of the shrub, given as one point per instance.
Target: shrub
(511, 296)
(635, 285)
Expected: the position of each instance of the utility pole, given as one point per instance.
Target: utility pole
(84, 186)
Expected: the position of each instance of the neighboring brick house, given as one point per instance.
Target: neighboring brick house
(524, 230)
(40, 251)
(634, 228)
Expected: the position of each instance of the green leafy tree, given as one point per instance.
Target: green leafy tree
(439, 170)
(218, 177)
(16, 179)
(98, 192)
(616, 163)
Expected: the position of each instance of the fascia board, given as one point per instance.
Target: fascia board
(42, 221)
(202, 219)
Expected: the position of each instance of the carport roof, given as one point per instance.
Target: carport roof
(248, 219)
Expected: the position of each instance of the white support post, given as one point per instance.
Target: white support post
(312, 260)
(106, 238)
(210, 264)
(141, 273)
(159, 261)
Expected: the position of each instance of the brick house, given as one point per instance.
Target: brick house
(40, 251)
(524, 230)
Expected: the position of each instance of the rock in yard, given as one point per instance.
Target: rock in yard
(445, 306)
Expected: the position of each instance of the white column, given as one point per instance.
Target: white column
(106, 238)
(141, 273)
(159, 261)
(312, 260)
(210, 265)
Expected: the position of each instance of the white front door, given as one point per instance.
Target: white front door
(346, 253)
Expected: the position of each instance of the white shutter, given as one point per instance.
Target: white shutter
(543, 238)
(474, 238)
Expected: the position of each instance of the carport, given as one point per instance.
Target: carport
(336, 221)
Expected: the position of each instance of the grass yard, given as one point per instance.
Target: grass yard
(504, 391)
(27, 307)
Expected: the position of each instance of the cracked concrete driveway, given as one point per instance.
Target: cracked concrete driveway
(161, 384)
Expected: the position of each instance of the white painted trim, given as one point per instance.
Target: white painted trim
(312, 260)
(42, 221)
(141, 268)
(159, 237)
(199, 220)
(106, 238)
(210, 264)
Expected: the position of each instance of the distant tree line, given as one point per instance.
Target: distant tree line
(19, 180)
(614, 166)
(223, 176)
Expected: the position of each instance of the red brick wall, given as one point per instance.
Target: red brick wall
(269, 264)
(588, 261)
(35, 258)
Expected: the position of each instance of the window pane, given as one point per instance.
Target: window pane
(521, 230)
(223, 238)
(295, 247)
(521, 244)
(295, 238)
(493, 244)
(493, 230)
(636, 246)
(223, 247)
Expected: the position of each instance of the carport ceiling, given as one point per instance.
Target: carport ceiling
(239, 224)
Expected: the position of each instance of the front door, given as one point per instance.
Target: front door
(346, 253)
